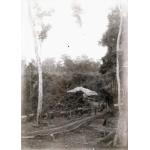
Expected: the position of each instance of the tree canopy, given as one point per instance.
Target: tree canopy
(108, 68)
(109, 39)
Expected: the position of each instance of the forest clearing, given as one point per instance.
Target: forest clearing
(75, 102)
(80, 133)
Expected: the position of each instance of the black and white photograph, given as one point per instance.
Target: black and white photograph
(74, 75)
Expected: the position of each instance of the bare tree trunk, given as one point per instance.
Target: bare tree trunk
(121, 132)
(117, 64)
(37, 45)
(118, 77)
(40, 83)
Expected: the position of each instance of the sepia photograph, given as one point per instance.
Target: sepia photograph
(74, 75)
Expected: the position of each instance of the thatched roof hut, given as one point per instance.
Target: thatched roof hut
(86, 92)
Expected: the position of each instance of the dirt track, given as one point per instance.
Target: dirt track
(79, 134)
(61, 129)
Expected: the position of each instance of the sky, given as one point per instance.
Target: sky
(70, 34)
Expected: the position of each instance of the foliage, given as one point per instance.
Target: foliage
(43, 33)
(57, 79)
(108, 68)
(29, 88)
(109, 39)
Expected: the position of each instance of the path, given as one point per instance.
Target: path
(61, 129)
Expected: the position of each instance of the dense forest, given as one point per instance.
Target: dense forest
(58, 77)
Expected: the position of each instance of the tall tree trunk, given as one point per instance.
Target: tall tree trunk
(117, 64)
(121, 133)
(40, 83)
(118, 76)
(37, 44)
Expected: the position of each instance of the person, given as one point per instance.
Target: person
(95, 110)
(105, 122)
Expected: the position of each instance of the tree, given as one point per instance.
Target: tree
(40, 31)
(29, 88)
(115, 39)
(49, 66)
(109, 39)
(109, 68)
(121, 133)
(77, 11)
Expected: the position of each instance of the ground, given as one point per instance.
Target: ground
(86, 137)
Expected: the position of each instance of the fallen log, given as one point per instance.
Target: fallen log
(62, 129)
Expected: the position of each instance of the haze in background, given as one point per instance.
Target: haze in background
(71, 34)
